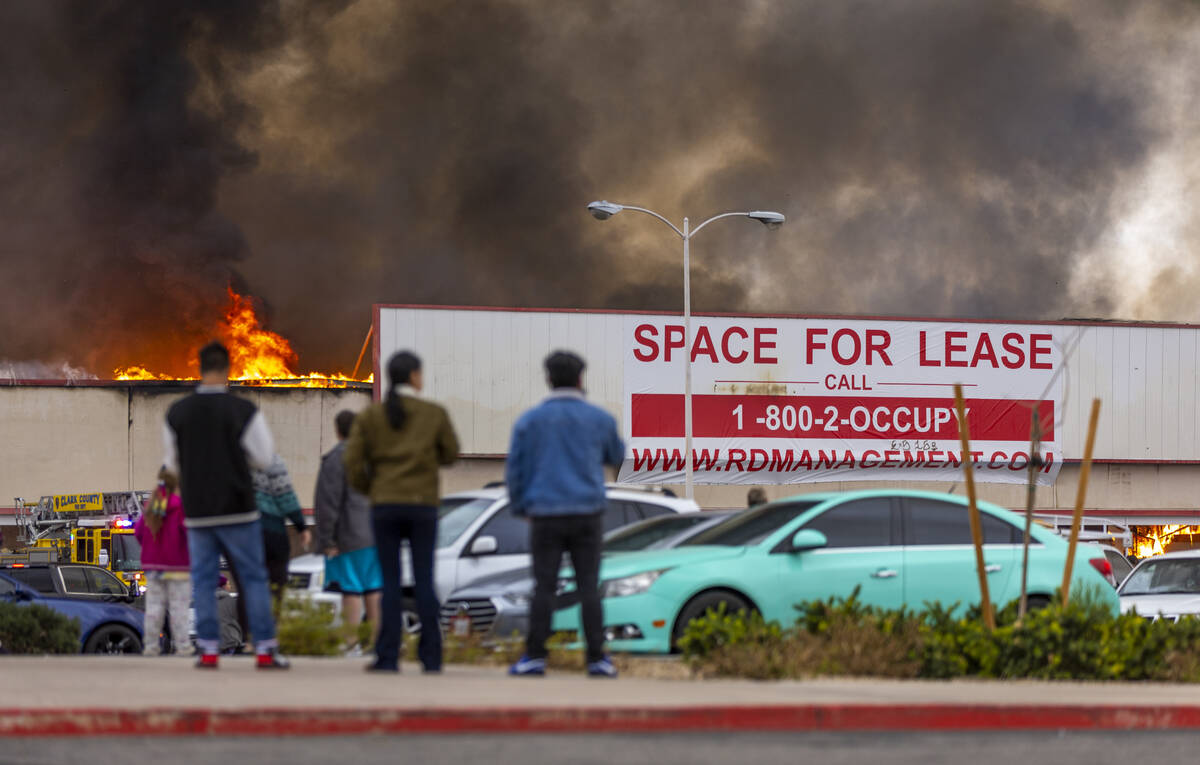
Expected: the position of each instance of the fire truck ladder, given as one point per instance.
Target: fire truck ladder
(37, 520)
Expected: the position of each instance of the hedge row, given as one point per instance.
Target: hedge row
(841, 636)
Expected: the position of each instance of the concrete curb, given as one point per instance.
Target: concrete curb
(823, 717)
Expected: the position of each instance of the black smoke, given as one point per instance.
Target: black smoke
(933, 157)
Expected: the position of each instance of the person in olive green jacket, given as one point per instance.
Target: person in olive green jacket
(392, 455)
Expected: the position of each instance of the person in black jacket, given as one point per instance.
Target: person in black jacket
(212, 440)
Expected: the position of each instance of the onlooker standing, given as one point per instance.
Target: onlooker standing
(555, 477)
(276, 501)
(163, 538)
(392, 456)
(212, 440)
(756, 497)
(232, 634)
(344, 536)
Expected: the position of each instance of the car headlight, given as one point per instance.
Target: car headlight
(518, 597)
(629, 585)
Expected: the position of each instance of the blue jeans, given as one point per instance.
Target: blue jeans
(242, 545)
(417, 524)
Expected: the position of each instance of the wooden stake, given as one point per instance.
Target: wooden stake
(1035, 462)
(964, 435)
(1084, 471)
(363, 352)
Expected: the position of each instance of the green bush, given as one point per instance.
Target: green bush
(306, 628)
(36, 629)
(1082, 640)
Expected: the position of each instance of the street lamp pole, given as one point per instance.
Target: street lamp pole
(687, 362)
(603, 210)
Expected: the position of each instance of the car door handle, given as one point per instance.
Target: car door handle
(992, 568)
(885, 573)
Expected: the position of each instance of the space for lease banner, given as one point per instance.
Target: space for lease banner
(800, 400)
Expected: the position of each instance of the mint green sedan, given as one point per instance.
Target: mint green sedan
(898, 547)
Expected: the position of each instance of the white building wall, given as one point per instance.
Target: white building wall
(60, 440)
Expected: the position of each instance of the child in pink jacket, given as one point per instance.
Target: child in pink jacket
(163, 537)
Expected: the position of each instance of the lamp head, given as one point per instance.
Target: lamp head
(771, 220)
(603, 210)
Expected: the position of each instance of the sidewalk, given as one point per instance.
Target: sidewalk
(164, 696)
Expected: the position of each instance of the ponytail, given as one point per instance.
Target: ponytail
(400, 370)
(395, 408)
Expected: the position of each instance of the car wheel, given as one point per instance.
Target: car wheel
(113, 638)
(1036, 602)
(702, 603)
(410, 621)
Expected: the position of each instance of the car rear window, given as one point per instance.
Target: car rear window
(35, 578)
(639, 536)
(751, 527)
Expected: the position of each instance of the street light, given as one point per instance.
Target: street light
(603, 210)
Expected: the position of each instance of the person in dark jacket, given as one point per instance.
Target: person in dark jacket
(555, 477)
(344, 536)
(392, 455)
(277, 503)
(212, 439)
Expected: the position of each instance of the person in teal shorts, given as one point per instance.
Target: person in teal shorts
(344, 536)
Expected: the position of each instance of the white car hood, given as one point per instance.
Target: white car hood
(1151, 605)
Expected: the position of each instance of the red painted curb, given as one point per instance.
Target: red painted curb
(813, 717)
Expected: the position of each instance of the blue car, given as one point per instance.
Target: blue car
(103, 627)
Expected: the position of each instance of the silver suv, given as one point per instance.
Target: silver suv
(478, 535)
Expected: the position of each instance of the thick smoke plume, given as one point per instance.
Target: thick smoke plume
(1003, 159)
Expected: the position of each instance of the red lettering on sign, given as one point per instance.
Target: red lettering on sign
(646, 335)
(812, 344)
(731, 357)
(878, 341)
(837, 346)
(674, 339)
(1036, 349)
(704, 345)
(923, 359)
(761, 345)
(1014, 358)
(984, 351)
(953, 348)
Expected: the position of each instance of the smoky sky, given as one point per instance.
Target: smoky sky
(933, 157)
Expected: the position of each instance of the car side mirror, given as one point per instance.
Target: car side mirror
(484, 546)
(21, 594)
(102, 558)
(808, 539)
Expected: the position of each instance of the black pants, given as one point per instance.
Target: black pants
(549, 538)
(418, 524)
(277, 553)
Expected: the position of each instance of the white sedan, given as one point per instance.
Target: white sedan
(1164, 586)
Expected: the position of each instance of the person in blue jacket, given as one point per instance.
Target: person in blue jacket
(555, 478)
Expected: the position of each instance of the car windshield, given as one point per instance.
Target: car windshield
(1161, 577)
(751, 527)
(127, 553)
(639, 536)
(456, 515)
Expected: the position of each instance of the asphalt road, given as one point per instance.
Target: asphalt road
(1021, 748)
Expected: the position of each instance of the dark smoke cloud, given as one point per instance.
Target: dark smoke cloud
(121, 123)
(934, 157)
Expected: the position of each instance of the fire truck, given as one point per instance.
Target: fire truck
(85, 528)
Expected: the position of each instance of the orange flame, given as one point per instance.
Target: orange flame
(257, 356)
(1155, 539)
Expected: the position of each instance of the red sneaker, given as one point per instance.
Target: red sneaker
(207, 661)
(271, 660)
